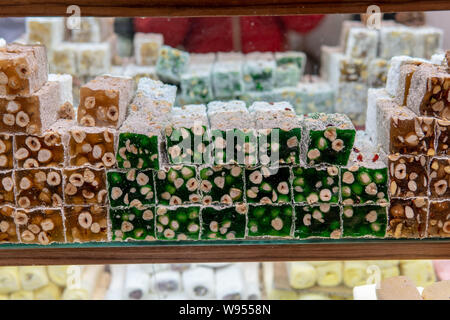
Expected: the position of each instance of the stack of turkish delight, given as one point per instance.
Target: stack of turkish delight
(412, 117)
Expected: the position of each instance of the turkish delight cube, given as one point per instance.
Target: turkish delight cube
(146, 47)
(373, 95)
(48, 31)
(6, 151)
(84, 186)
(315, 184)
(63, 58)
(408, 218)
(258, 71)
(439, 219)
(396, 41)
(393, 76)
(93, 58)
(442, 137)
(270, 221)
(227, 78)
(38, 188)
(65, 84)
(345, 69)
(104, 101)
(171, 63)
(45, 150)
(267, 185)
(223, 184)
(327, 138)
(138, 72)
(279, 132)
(314, 97)
(8, 232)
(23, 69)
(132, 224)
(196, 83)
(404, 83)
(131, 188)
(326, 52)
(41, 226)
(408, 175)
(91, 146)
(286, 75)
(178, 223)
(362, 43)
(86, 223)
(399, 130)
(178, 185)
(439, 178)
(364, 221)
(7, 188)
(249, 97)
(428, 41)
(317, 221)
(223, 223)
(377, 70)
(33, 114)
(291, 57)
(351, 99)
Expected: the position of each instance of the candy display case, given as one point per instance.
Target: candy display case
(169, 154)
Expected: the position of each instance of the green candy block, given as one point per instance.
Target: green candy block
(287, 75)
(317, 221)
(179, 185)
(270, 220)
(364, 221)
(291, 57)
(227, 79)
(132, 188)
(133, 224)
(328, 138)
(138, 151)
(171, 64)
(178, 223)
(278, 146)
(235, 146)
(364, 186)
(223, 223)
(316, 185)
(222, 184)
(268, 185)
(196, 84)
(188, 145)
(258, 72)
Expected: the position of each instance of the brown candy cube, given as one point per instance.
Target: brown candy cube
(439, 220)
(8, 232)
(41, 151)
(7, 188)
(443, 137)
(408, 176)
(408, 218)
(42, 226)
(38, 188)
(440, 178)
(85, 186)
(6, 151)
(85, 224)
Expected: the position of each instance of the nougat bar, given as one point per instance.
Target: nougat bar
(93, 58)
(442, 137)
(86, 223)
(65, 84)
(6, 151)
(41, 226)
(408, 175)
(439, 177)
(223, 184)
(408, 218)
(132, 224)
(439, 219)
(104, 101)
(8, 232)
(23, 69)
(267, 185)
(7, 188)
(317, 221)
(84, 186)
(45, 150)
(196, 83)
(364, 221)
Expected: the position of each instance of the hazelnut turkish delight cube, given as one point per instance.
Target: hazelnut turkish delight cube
(364, 221)
(6, 151)
(133, 224)
(178, 223)
(223, 223)
(439, 219)
(439, 178)
(38, 188)
(104, 101)
(317, 221)
(7, 188)
(132, 188)
(267, 185)
(178, 185)
(442, 137)
(41, 226)
(408, 218)
(408, 176)
(85, 186)
(86, 223)
(45, 150)
(222, 184)
(23, 69)
(8, 233)
(270, 221)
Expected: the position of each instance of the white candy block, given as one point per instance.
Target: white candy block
(428, 41)
(93, 59)
(137, 283)
(230, 283)
(65, 87)
(396, 40)
(252, 282)
(146, 47)
(33, 277)
(198, 283)
(166, 282)
(117, 283)
(371, 115)
(48, 31)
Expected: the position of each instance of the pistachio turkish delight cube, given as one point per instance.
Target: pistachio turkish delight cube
(84, 186)
(146, 47)
(86, 223)
(439, 219)
(442, 137)
(321, 221)
(291, 57)
(104, 101)
(362, 43)
(313, 97)
(196, 83)
(377, 70)
(408, 218)
(7, 188)
(227, 77)
(408, 175)
(8, 232)
(131, 188)
(41, 226)
(364, 221)
(279, 132)
(396, 41)
(223, 184)
(315, 184)
(223, 223)
(45, 150)
(267, 185)
(327, 138)
(171, 63)
(286, 75)
(258, 71)
(187, 135)
(270, 220)
(6, 151)
(439, 178)
(177, 223)
(132, 224)
(178, 185)
(38, 188)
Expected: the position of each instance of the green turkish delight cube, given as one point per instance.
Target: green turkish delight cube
(361, 185)
(267, 185)
(226, 223)
(286, 75)
(138, 151)
(364, 221)
(328, 138)
(196, 85)
(314, 97)
(258, 71)
(133, 224)
(287, 57)
(315, 184)
(222, 184)
(178, 223)
(171, 64)
(270, 220)
(178, 185)
(227, 78)
(317, 221)
(131, 188)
